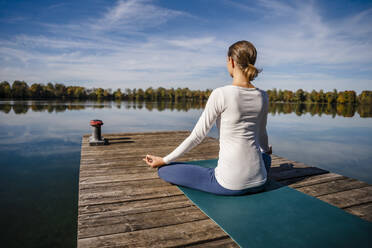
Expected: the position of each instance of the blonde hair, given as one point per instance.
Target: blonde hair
(244, 54)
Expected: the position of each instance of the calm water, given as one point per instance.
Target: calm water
(40, 153)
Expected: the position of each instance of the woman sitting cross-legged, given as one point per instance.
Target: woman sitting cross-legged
(240, 111)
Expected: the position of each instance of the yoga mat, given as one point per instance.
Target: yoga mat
(281, 217)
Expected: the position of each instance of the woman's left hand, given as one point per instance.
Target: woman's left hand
(154, 161)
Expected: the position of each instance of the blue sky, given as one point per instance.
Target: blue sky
(138, 44)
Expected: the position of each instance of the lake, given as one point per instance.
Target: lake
(40, 153)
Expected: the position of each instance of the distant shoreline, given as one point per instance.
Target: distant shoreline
(20, 90)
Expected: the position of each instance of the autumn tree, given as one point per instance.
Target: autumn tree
(365, 97)
(341, 98)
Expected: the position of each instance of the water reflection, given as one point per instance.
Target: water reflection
(345, 110)
(22, 107)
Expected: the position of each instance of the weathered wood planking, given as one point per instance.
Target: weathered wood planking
(123, 203)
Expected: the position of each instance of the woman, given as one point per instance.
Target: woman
(240, 112)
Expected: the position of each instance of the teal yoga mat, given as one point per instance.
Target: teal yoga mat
(281, 217)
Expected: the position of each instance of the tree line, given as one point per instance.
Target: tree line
(330, 97)
(21, 90)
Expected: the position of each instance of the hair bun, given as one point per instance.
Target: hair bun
(244, 54)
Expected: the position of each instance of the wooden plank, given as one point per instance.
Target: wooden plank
(136, 206)
(166, 236)
(331, 187)
(126, 185)
(120, 170)
(143, 147)
(120, 196)
(282, 173)
(143, 142)
(122, 177)
(364, 210)
(349, 198)
(137, 160)
(224, 242)
(139, 152)
(98, 225)
(311, 180)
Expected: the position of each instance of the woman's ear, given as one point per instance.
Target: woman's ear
(230, 66)
(232, 62)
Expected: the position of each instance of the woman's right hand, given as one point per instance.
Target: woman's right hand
(154, 161)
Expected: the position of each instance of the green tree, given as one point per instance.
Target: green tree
(321, 96)
(99, 93)
(171, 94)
(134, 94)
(280, 96)
(140, 94)
(300, 96)
(330, 98)
(149, 94)
(288, 96)
(36, 91)
(20, 89)
(79, 92)
(5, 90)
(272, 95)
(118, 95)
(314, 96)
(59, 90)
(107, 94)
(128, 94)
(49, 91)
(178, 94)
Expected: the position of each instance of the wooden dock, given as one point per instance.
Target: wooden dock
(123, 203)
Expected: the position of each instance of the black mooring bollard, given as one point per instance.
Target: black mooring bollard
(96, 139)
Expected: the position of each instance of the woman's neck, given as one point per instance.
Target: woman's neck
(241, 80)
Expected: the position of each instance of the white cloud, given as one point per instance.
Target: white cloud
(308, 39)
(134, 15)
(193, 43)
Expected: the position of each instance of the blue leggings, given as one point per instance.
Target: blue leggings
(202, 178)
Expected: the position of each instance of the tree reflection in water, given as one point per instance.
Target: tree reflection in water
(22, 107)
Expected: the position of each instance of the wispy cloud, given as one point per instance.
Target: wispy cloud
(56, 6)
(192, 43)
(305, 37)
(134, 14)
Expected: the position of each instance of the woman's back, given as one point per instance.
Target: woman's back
(240, 113)
(242, 131)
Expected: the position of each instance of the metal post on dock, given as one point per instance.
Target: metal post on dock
(96, 139)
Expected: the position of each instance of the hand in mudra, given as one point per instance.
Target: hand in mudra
(154, 161)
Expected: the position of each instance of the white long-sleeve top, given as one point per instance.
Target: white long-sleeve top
(240, 114)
